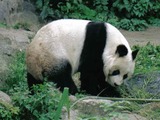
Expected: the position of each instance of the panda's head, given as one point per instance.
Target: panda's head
(120, 65)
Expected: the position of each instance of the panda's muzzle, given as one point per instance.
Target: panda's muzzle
(115, 84)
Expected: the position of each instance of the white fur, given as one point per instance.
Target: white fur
(112, 61)
(71, 42)
(63, 39)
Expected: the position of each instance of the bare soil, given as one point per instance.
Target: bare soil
(152, 35)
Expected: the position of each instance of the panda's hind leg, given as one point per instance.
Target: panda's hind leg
(32, 81)
(61, 76)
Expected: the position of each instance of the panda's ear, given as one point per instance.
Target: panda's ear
(121, 50)
(134, 54)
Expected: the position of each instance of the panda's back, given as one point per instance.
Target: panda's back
(61, 39)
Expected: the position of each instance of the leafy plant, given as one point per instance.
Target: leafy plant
(16, 73)
(76, 9)
(136, 9)
(115, 109)
(3, 25)
(24, 26)
(135, 15)
(64, 101)
(7, 111)
(132, 15)
(154, 21)
(133, 24)
(46, 103)
(148, 59)
(44, 8)
(101, 8)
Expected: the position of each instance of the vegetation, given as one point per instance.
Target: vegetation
(28, 106)
(24, 26)
(3, 25)
(152, 62)
(147, 62)
(47, 103)
(126, 14)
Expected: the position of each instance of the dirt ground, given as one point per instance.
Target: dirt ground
(151, 35)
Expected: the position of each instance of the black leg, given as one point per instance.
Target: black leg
(61, 76)
(32, 81)
(94, 84)
(110, 91)
(89, 83)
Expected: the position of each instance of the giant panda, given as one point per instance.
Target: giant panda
(97, 50)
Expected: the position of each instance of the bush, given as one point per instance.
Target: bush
(76, 9)
(125, 14)
(148, 59)
(133, 24)
(135, 14)
(46, 104)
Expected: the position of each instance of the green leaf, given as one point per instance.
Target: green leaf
(39, 4)
(68, 5)
(64, 101)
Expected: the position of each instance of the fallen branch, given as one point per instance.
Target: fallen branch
(115, 99)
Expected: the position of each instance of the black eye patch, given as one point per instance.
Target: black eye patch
(115, 72)
(125, 76)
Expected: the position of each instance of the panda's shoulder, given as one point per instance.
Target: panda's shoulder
(111, 28)
(68, 22)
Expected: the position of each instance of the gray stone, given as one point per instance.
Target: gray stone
(9, 7)
(139, 80)
(11, 41)
(4, 97)
(14, 12)
(92, 107)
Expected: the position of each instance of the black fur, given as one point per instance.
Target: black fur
(60, 75)
(121, 50)
(91, 63)
(32, 81)
(134, 54)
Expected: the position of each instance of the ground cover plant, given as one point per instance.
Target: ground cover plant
(48, 101)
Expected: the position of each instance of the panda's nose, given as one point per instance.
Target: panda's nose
(115, 84)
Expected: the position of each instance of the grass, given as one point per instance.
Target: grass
(24, 26)
(48, 102)
(148, 59)
(3, 25)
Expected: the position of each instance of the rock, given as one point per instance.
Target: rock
(22, 12)
(27, 19)
(93, 108)
(8, 8)
(153, 83)
(129, 116)
(147, 110)
(73, 115)
(11, 41)
(4, 97)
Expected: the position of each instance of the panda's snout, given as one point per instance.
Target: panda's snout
(115, 84)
